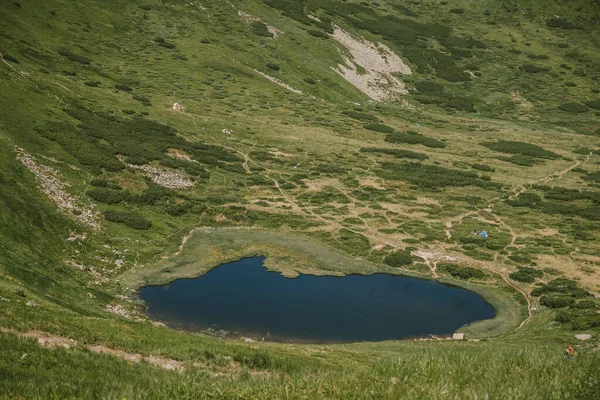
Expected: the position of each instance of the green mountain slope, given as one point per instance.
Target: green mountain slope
(383, 131)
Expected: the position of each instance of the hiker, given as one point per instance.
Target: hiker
(569, 351)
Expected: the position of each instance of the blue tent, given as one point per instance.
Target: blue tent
(483, 234)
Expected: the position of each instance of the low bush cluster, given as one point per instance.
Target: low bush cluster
(412, 137)
(99, 137)
(378, 127)
(526, 274)
(526, 149)
(432, 176)
(429, 87)
(131, 220)
(460, 272)
(74, 57)
(533, 69)
(562, 286)
(398, 153)
(483, 167)
(573, 108)
(447, 101)
(260, 29)
(361, 116)
(399, 258)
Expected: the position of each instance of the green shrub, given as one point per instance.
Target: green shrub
(330, 168)
(536, 273)
(142, 99)
(177, 209)
(573, 108)
(461, 272)
(526, 274)
(513, 147)
(74, 57)
(8, 57)
(483, 167)
(106, 195)
(521, 277)
(167, 45)
(124, 88)
(310, 81)
(377, 127)
(448, 101)
(432, 176)
(273, 66)
(457, 10)
(595, 104)
(353, 242)
(100, 182)
(555, 301)
(412, 137)
(92, 83)
(533, 69)
(290, 8)
(520, 159)
(260, 29)
(538, 57)
(429, 87)
(398, 153)
(318, 33)
(559, 23)
(131, 220)
(562, 286)
(586, 304)
(399, 258)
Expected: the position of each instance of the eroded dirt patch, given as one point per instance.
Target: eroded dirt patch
(371, 67)
(56, 188)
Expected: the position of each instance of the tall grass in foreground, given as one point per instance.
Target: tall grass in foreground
(402, 370)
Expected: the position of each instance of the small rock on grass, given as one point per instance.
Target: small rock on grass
(583, 336)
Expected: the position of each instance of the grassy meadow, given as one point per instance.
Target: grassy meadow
(104, 187)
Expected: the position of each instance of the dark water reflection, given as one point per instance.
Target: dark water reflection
(244, 297)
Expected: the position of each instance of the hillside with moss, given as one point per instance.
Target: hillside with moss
(152, 140)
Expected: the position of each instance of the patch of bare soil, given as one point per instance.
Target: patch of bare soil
(180, 155)
(371, 67)
(55, 188)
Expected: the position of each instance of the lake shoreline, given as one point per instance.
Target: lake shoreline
(208, 248)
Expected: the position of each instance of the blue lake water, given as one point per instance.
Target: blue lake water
(243, 297)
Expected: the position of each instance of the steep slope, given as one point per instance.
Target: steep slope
(383, 131)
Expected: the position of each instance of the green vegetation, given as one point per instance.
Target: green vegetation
(526, 274)
(131, 220)
(432, 176)
(361, 116)
(574, 108)
(260, 29)
(520, 148)
(399, 258)
(460, 272)
(377, 127)
(398, 153)
(412, 137)
(104, 188)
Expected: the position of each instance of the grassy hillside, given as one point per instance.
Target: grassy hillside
(332, 136)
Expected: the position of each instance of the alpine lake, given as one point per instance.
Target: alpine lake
(245, 299)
